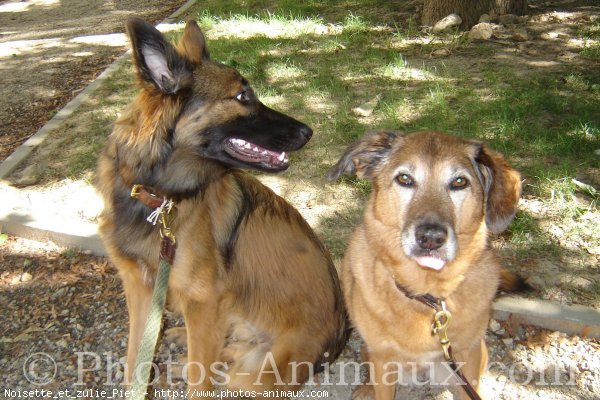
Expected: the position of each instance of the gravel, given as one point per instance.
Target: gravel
(64, 328)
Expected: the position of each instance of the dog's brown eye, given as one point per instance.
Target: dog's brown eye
(405, 180)
(459, 183)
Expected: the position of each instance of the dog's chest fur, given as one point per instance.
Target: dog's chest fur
(403, 326)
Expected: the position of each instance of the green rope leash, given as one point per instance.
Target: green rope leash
(162, 213)
(143, 363)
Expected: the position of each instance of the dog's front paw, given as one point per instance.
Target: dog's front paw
(363, 392)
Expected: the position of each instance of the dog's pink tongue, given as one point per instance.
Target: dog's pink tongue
(430, 262)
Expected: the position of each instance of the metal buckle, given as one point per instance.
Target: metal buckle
(135, 191)
(165, 230)
(441, 320)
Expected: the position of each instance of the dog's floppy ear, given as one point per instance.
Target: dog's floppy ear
(193, 44)
(502, 186)
(156, 60)
(364, 156)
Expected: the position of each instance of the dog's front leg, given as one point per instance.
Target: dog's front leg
(385, 377)
(204, 341)
(382, 377)
(475, 365)
(138, 294)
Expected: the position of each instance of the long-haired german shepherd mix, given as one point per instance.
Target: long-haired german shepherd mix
(425, 232)
(254, 284)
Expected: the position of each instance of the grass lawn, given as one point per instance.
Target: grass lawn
(318, 60)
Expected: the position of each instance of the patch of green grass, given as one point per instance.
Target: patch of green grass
(522, 229)
(549, 115)
(354, 23)
(336, 230)
(591, 36)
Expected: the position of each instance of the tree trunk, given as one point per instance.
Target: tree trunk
(469, 10)
(517, 7)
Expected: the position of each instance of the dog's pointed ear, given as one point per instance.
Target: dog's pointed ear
(502, 187)
(156, 59)
(364, 156)
(193, 43)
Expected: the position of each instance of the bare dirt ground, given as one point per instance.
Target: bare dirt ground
(63, 327)
(51, 49)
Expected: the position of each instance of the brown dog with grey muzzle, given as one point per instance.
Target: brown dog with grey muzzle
(424, 238)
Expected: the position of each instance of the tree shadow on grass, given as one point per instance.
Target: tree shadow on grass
(543, 119)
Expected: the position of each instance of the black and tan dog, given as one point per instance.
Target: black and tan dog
(424, 233)
(255, 286)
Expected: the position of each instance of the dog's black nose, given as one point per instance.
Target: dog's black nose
(431, 236)
(306, 132)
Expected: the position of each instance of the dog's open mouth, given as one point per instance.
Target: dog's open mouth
(252, 153)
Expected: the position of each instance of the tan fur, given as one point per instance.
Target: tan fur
(271, 291)
(394, 327)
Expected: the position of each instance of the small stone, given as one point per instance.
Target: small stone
(441, 53)
(535, 282)
(567, 56)
(520, 35)
(26, 277)
(60, 292)
(494, 325)
(508, 19)
(447, 23)
(485, 18)
(593, 250)
(119, 375)
(482, 31)
(15, 280)
(366, 109)
(508, 342)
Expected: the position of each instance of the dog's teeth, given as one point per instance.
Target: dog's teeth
(255, 149)
(264, 153)
(281, 157)
(247, 146)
